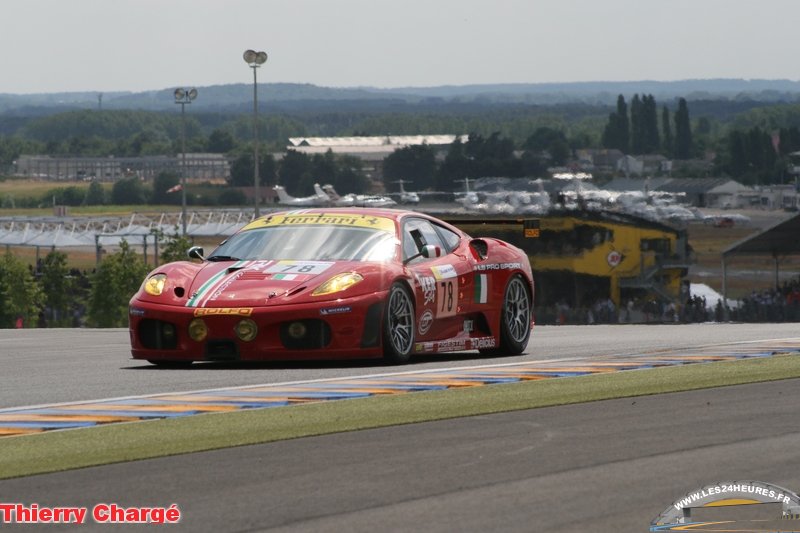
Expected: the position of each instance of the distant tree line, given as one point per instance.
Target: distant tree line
(728, 130)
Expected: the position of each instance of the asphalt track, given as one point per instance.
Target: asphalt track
(603, 466)
(608, 466)
(64, 365)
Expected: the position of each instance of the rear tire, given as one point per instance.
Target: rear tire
(398, 325)
(515, 319)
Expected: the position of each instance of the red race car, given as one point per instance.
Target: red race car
(336, 283)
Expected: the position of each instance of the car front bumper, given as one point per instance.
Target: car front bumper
(338, 329)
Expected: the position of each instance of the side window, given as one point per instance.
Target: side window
(416, 234)
(451, 240)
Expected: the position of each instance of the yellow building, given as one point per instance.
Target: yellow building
(580, 257)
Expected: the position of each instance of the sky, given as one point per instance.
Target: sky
(138, 45)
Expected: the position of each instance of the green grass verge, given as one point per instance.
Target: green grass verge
(63, 450)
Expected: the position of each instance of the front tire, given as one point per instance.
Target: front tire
(515, 318)
(398, 325)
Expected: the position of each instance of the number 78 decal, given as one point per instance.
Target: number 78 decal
(447, 297)
(446, 289)
(299, 267)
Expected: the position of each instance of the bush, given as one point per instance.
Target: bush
(114, 283)
(232, 197)
(20, 296)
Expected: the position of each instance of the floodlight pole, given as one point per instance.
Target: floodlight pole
(255, 140)
(183, 97)
(254, 60)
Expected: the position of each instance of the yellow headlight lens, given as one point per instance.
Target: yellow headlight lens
(338, 283)
(198, 330)
(154, 285)
(246, 329)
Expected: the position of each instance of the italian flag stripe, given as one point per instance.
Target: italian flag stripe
(194, 300)
(481, 288)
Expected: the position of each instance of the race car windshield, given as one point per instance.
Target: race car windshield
(310, 243)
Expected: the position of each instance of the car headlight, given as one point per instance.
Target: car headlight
(198, 330)
(338, 283)
(246, 329)
(154, 285)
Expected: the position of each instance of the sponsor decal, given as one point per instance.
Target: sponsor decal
(102, 513)
(614, 258)
(481, 288)
(231, 311)
(335, 310)
(452, 345)
(225, 284)
(428, 285)
(135, 311)
(481, 343)
(423, 347)
(444, 271)
(726, 496)
(299, 267)
(498, 266)
(425, 322)
(322, 219)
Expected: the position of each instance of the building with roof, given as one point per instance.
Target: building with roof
(199, 167)
(706, 192)
(698, 192)
(371, 150)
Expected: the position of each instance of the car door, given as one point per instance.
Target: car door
(441, 284)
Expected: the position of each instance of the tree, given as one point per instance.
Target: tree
(242, 169)
(737, 154)
(65, 196)
(684, 147)
(616, 134)
(652, 140)
(789, 140)
(128, 191)
(294, 173)
(666, 131)
(221, 141)
(162, 183)
(20, 296)
(58, 288)
(175, 247)
(114, 283)
(638, 138)
(454, 168)
(415, 164)
(349, 175)
(547, 140)
(231, 197)
(96, 195)
(492, 156)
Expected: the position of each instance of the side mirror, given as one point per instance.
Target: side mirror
(429, 251)
(196, 252)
